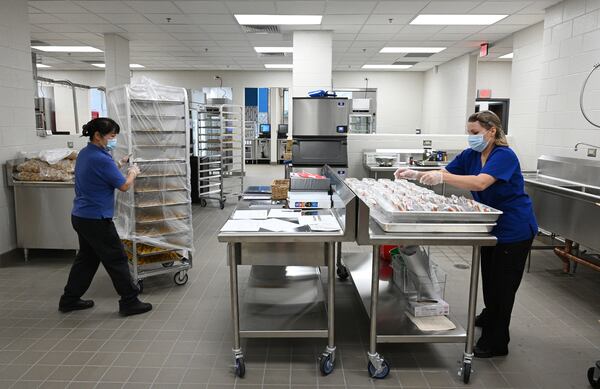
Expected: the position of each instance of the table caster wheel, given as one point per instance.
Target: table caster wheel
(326, 364)
(240, 367)
(140, 285)
(342, 272)
(594, 381)
(168, 264)
(222, 204)
(181, 277)
(465, 372)
(202, 203)
(385, 370)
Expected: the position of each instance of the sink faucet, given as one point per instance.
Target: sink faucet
(585, 144)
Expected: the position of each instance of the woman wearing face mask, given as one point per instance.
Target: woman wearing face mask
(491, 171)
(96, 178)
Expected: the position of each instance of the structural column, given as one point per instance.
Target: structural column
(116, 58)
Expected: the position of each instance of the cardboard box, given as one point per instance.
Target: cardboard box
(428, 308)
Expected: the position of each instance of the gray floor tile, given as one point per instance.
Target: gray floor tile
(64, 373)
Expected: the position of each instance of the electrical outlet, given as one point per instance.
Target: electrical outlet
(591, 153)
(70, 145)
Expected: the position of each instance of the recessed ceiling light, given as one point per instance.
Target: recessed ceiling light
(388, 67)
(412, 50)
(42, 66)
(274, 49)
(507, 56)
(131, 65)
(457, 20)
(67, 49)
(257, 20)
(279, 66)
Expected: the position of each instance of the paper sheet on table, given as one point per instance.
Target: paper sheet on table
(241, 226)
(284, 214)
(277, 225)
(320, 222)
(432, 323)
(257, 214)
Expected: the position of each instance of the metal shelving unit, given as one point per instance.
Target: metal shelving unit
(154, 218)
(250, 133)
(220, 146)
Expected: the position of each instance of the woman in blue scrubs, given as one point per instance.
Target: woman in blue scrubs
(96, 178)
(491, 171)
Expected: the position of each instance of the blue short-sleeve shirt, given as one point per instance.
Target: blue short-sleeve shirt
(96, 178)
(507, 194)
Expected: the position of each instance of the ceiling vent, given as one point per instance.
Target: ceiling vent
(261, 29)
(404, 63)
(418, 55)
(271, 55)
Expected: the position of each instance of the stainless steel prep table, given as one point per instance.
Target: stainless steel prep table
(289, 251)
(384, 302)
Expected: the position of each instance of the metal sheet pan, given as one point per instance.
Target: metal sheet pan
(435, 227)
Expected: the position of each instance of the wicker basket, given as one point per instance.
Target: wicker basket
(279, 189)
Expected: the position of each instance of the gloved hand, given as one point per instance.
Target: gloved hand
(133, 169)
(407, 174)
(123, 161)
(434, 177)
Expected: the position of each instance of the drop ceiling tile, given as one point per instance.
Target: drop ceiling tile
(227, 37)
(232, 43)
(212, 19)
(522, 19)
(300, 7)
(203, 7)
(442, 36)
(410, 29)
(343, 37)
(46, 36)
(102, 28)
(106, 6)
(43, 18)
(462, 29)
(344, 19)
(291, 29)
(349, 7)
(381, 38)
(87, 18)
(538, 6)
(381, 29)
(151, 36)
(57, 6)
(154, 7)
(149, 27)
(184, 37)
(502, 29)
(124, 18)
(33, 10)
(409, 36)
(450, 7)
(84, 36)
(251, 7)
(37, 28)
(487, 37)
(397, 19)
(181, 28)
(342, 28)
(500, 7)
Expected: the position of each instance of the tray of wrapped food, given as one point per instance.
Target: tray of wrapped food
(402, 201)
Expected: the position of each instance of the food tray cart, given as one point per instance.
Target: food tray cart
(301, 252)
(385, 303)
(154, 217)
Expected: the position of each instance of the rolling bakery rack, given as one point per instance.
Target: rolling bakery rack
(220, 147)
(154, 217)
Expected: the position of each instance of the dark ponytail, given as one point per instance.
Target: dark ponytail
(102, 125)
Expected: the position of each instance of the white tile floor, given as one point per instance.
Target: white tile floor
(185, 342)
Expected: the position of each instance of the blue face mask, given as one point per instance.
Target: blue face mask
(112, 144)
(477, 142)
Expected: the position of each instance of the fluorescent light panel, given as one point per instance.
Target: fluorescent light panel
(412, 49)
(279, 66)
(274, 49)
(67, 49)
(131, 65)
(257, 20)
(507, 56)
(388, 67)
(457, 20)
(42, 66)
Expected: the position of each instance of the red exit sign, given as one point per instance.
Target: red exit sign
(483, 49)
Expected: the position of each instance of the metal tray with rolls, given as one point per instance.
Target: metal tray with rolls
(433, 221)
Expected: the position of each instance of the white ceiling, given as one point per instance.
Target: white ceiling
(205, 35)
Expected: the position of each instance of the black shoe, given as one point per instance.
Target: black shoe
(134, 308)
(78, 305)
(481, 352)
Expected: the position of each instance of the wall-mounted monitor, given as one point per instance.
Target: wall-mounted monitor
(264, 130)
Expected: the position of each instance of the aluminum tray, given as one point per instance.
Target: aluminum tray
(434, 227)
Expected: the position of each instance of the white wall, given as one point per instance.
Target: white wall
(495, 76)
(399, 94)
(571, 48)
(449, 96)
(525, 93)
(17, 120)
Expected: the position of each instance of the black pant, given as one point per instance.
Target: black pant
(99, 242)
(501, 272)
